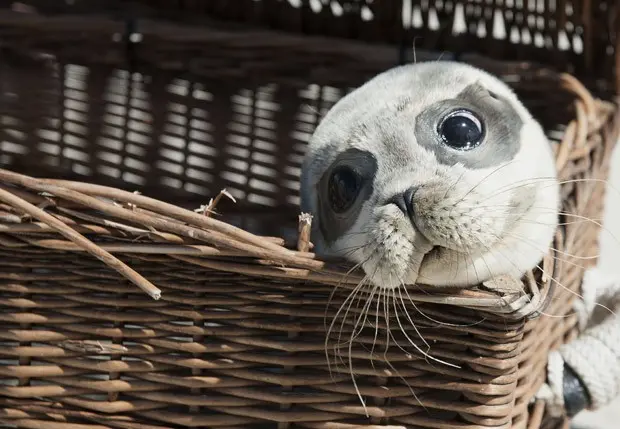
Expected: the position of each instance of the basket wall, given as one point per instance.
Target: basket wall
(577, 36)
(237, 339)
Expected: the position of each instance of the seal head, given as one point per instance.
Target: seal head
(431, 173)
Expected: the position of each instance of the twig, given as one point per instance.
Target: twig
(105, 222)
(151, 249)
(83, 242)
(305, 226)
(209, 229)
(210, 208)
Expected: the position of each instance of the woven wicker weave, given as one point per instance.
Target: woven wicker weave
(238, 336)
(577, 36)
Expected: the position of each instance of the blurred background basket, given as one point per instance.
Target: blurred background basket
(121, 120)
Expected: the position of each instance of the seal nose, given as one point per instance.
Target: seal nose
(404, 201)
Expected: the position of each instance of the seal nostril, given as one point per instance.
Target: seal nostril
(400, 202)
(404, 201)
(409, 201)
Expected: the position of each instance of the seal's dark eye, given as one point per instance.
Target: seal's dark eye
(461, 130)
(344, 186)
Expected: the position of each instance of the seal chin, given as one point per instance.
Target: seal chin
(388, 275)
(436, 266)
(383, 277)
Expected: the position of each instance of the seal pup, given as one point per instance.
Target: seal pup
(431, 173)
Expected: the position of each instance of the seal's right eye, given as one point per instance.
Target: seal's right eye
(344, 187)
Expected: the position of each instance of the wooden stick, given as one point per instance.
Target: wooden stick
(305, 226)
(83, 242)
(210, 208)
(210, 229)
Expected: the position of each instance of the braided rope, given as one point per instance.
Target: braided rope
(594, 356)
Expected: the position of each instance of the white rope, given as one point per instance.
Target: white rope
(592, 283)
(552, 391)
(600, 288)
(595, 357)
(595, 354)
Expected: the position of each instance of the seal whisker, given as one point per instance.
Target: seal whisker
(357, 390)
(350, 358)
(580, 218)
(349, 297)
(478, 278)
(611, 312)
(339, 343)
(557, 282)
(488, 248)
(376, 335)
(392, 299)
(536, 222)
(395, 370)
(357, 290)
(418, 348)
(386, 315)
(362, 232)
(519, 184)
(551, 182)
(331, 295)
(514, 213)
(438, 322)
(389, 335)
(453, 185)
(408, 316)
(482, 181)
(509, 208)
(560, 284)
(561, 252)
(386, 359)
(348, 251)
(363, 314)
(357, 327)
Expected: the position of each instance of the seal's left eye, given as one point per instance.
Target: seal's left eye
(343, 188)
(461, 130)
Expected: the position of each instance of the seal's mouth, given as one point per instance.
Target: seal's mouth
(434, 253)
(437, 252)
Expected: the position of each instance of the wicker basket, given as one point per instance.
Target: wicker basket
(107, 106)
